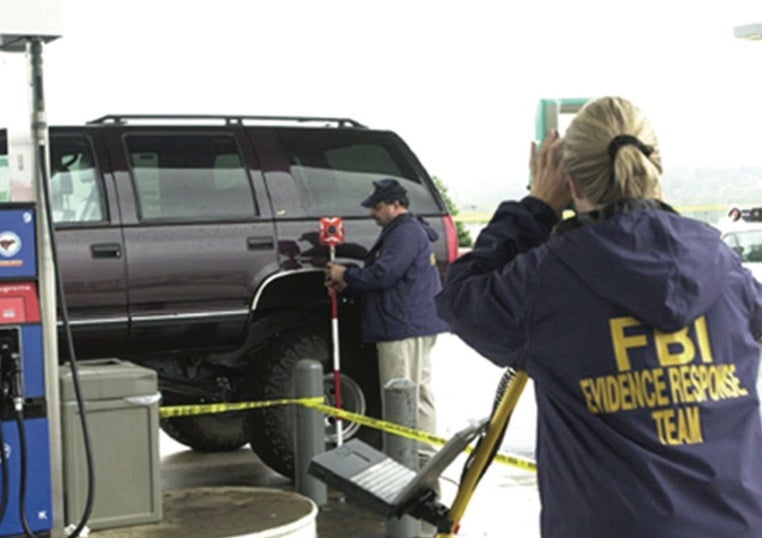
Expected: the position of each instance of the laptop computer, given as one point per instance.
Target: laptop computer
(385, 486)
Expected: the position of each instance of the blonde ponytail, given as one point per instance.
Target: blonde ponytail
(611, 151)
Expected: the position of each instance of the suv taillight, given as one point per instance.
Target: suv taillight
(451, 238)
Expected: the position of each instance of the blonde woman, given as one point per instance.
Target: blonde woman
(639, 328)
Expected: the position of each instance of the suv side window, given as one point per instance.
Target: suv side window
(189, 177)
(746, 243)
(76, 193)
(335, 173)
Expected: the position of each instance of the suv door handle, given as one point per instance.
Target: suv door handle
(106, 250)
(261, 242)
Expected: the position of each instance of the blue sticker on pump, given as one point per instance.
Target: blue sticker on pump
(18, 253)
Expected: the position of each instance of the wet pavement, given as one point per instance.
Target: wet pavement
(204, 512)
(504, 504)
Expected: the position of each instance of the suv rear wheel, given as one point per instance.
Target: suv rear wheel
(222, 432)
(270, 430)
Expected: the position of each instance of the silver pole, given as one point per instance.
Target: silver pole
(47, 283)
(400, 406)
(310, 430)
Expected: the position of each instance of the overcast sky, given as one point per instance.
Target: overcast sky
(459, 81)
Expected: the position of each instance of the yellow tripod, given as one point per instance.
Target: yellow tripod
(485, 450)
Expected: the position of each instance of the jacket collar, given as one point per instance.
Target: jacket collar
(625, 205)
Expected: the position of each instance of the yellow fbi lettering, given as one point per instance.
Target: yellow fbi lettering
(699, 383)
(669, 389)
(678, 426)
(659, 387)
(625, 392)
(672, 349)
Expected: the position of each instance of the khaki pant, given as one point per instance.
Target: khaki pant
(411, 359)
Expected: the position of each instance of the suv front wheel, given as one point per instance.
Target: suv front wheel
(270, 430)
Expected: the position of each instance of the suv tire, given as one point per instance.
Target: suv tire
(270, 430)
(221, 432)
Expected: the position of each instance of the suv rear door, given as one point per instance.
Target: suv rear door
(198, 236)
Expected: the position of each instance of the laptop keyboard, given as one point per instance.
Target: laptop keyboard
(385, 479)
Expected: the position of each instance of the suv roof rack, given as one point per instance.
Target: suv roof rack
(122, 119)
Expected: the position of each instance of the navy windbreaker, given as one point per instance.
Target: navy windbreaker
(398, 283)
(640, 332)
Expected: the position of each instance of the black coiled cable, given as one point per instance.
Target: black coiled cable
(505, 382)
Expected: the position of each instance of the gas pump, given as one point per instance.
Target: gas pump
(30, 458)
(26, 470)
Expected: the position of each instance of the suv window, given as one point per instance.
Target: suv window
(333, 174)
(76, 193)
(189, 177)
(747, 243)
(75, 190)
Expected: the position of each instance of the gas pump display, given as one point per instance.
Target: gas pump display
(26, 494)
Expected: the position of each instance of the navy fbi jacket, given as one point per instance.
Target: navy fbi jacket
(640, 330)
(398, 283)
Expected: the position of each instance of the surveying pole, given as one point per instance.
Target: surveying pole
(332, 235)
(25, 26)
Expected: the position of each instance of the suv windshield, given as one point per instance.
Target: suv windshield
(333, 174)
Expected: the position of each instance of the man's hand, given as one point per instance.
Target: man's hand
(334, 276)
(550, 183)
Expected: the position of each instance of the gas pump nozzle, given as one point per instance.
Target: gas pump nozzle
(10, 368)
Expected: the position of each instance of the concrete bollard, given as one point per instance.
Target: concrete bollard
(400, 405)
(310, 430)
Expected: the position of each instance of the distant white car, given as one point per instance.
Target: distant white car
(746, 239)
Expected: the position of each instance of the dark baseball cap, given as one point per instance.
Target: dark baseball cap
(385, 190)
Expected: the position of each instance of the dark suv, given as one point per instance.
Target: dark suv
(190, 245)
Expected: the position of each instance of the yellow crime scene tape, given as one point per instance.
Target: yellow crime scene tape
(317, 403)
(173, 411)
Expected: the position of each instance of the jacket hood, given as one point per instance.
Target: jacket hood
(664, 269)
(431, 233)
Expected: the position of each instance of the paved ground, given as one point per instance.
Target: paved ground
(218, 495)
(205, 512)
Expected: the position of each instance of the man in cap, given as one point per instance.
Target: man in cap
(397, 286)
